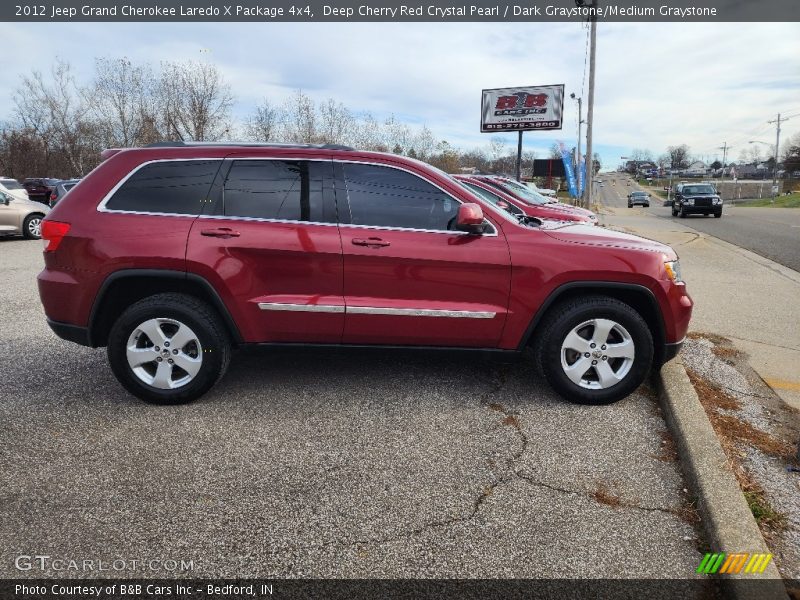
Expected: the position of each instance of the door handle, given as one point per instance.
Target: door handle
(220, 232)
(373, 242)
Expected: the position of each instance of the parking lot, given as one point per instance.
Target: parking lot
(328, 464)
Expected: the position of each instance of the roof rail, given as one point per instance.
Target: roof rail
(179, 144)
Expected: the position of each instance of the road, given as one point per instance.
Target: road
(738, 293)
(770, 232)
(328, 464)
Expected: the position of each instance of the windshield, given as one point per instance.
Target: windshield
(698, 189)
(491, 198)
(523, 193)
(10, 184)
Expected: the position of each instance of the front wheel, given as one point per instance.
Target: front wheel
(32, 227)
(169, 348)
(594, 350)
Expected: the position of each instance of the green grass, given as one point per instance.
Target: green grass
(792, 201)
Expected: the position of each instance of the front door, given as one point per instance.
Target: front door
(410, 278)
(272, 249)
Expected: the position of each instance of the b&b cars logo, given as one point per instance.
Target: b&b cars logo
(521, 103)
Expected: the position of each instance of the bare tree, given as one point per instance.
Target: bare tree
(194, 101)
(678, 156)
(56, 112)
(120, 98)
(299, 119)
(264, 124)
(335, 122)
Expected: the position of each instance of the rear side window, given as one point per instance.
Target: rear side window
(389, 197)
(173, 187)
(287, 190)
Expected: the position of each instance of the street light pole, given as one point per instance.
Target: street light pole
(590, 109)
(578, 158)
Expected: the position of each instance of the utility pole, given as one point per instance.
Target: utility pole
(775, 166)
(724, 149)
(587, 188)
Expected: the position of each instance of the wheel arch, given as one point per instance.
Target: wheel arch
(122, 288)
(638, 297)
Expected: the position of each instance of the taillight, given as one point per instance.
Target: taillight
(52, 234)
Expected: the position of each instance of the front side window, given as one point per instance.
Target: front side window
(275, 189)
(172, 187)
(388, 197)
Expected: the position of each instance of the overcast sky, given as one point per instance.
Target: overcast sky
(657, 83)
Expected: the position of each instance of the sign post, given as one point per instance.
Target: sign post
(522, 109)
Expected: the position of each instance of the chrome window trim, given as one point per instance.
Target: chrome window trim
(101, 207)
(374, 310)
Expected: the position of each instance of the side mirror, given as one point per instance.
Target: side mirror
(470, 218)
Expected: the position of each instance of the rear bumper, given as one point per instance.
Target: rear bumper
(71, 333)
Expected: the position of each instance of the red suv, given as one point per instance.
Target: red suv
(513, 204)
(174, 254)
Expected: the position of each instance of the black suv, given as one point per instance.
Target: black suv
(696, 198)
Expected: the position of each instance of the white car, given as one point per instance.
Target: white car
(14, 188)
(542, 191)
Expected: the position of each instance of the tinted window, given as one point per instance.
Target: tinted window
(388, 197)
(178, 187)
(275, 189)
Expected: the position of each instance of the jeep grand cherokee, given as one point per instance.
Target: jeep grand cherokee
(174, 254)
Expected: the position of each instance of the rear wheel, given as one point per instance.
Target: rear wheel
(594, 350)
(32, 227)
(168, 349)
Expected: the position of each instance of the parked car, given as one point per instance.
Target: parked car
(60, 189)
(172, 255)
(20, 216)
(516, 206)
(528, 196)
(543, 191)
(13, 187)
(635, 198)
(696, 198)
(40, 188)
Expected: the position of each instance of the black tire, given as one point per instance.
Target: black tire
(562, 319)
(718, 214)
(187, 310)
(28, 231)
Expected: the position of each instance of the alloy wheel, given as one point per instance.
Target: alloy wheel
(164, 353)
(597, 354)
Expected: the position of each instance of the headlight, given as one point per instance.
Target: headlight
(689, 201)
(673, 268)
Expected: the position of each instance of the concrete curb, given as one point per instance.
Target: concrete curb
(727, 520)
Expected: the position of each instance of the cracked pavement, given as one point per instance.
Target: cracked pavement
(328, 464)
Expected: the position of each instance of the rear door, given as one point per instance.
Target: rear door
(271, 248)
(409, 277)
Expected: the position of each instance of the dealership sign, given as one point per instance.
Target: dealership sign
(524, 108)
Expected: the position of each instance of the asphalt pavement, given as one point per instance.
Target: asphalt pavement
(326, 464)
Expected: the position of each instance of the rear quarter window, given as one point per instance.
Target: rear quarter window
(171, 187)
